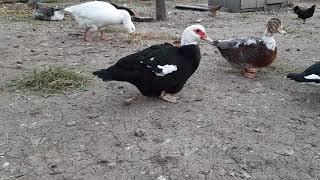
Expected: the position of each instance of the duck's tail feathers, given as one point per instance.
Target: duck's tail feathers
(296, 76)
(104, 74)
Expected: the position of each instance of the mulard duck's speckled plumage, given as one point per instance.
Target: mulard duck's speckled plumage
(251, 52)
(46, 13)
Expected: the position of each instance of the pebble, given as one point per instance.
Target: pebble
(257, 130)
(199, 20)
(139, 132)
(6, 164)
(92, 116)
(72, 123)
(19, 66)
(286, 152)
(161, 177)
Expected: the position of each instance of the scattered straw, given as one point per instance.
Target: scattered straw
(140, 37)
(51, 80)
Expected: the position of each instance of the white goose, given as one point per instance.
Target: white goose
(97, 15)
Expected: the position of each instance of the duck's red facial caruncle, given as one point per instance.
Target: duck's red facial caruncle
(202, 35)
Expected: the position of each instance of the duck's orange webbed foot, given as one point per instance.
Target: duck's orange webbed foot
(249, 72)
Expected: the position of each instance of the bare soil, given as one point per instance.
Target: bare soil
(225, 126)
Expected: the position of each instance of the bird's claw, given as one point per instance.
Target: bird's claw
(130, 100)
(168, 97)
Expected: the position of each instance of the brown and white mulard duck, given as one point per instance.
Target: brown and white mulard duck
(250, 53)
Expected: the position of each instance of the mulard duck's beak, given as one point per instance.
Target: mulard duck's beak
(281, 31)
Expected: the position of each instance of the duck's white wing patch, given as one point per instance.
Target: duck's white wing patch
(166, 69)
(250, 42)
(238, 42)
(313, 77)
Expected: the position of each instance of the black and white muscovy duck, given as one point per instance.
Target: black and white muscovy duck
(97, 15)
(250, 53)
(310, 75)
(45, 13)
(160, 70)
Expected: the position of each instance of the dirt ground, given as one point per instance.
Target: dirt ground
(224, 127)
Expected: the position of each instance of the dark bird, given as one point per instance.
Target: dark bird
(45, 13)
(160, 70)
(214, 10)
(250, 53)
(124, 8)
(304, 13)
(310, 75)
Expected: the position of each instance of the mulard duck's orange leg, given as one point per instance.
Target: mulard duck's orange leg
(249, 71)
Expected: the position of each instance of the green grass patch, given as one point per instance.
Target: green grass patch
(51, 80)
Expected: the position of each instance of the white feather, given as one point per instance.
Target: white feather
(313, 77)
(166, 69)
(250, 41)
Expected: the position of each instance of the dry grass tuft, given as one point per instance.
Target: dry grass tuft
(140, 37)
(51, 80)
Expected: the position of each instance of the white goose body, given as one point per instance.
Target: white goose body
(98, 14)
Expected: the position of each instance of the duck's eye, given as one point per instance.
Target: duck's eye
(198, 30)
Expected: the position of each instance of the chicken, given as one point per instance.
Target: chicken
(214, 10)
(304, 13)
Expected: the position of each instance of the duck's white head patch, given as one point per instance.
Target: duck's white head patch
(166, 69)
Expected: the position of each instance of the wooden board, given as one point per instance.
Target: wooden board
(275, 1)
(191, 7)
(249, 4)
(13, 1)
(142, 19)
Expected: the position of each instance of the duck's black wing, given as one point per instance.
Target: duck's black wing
(157, 60)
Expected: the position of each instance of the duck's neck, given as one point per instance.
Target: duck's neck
(185, 40)
(268, 40)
